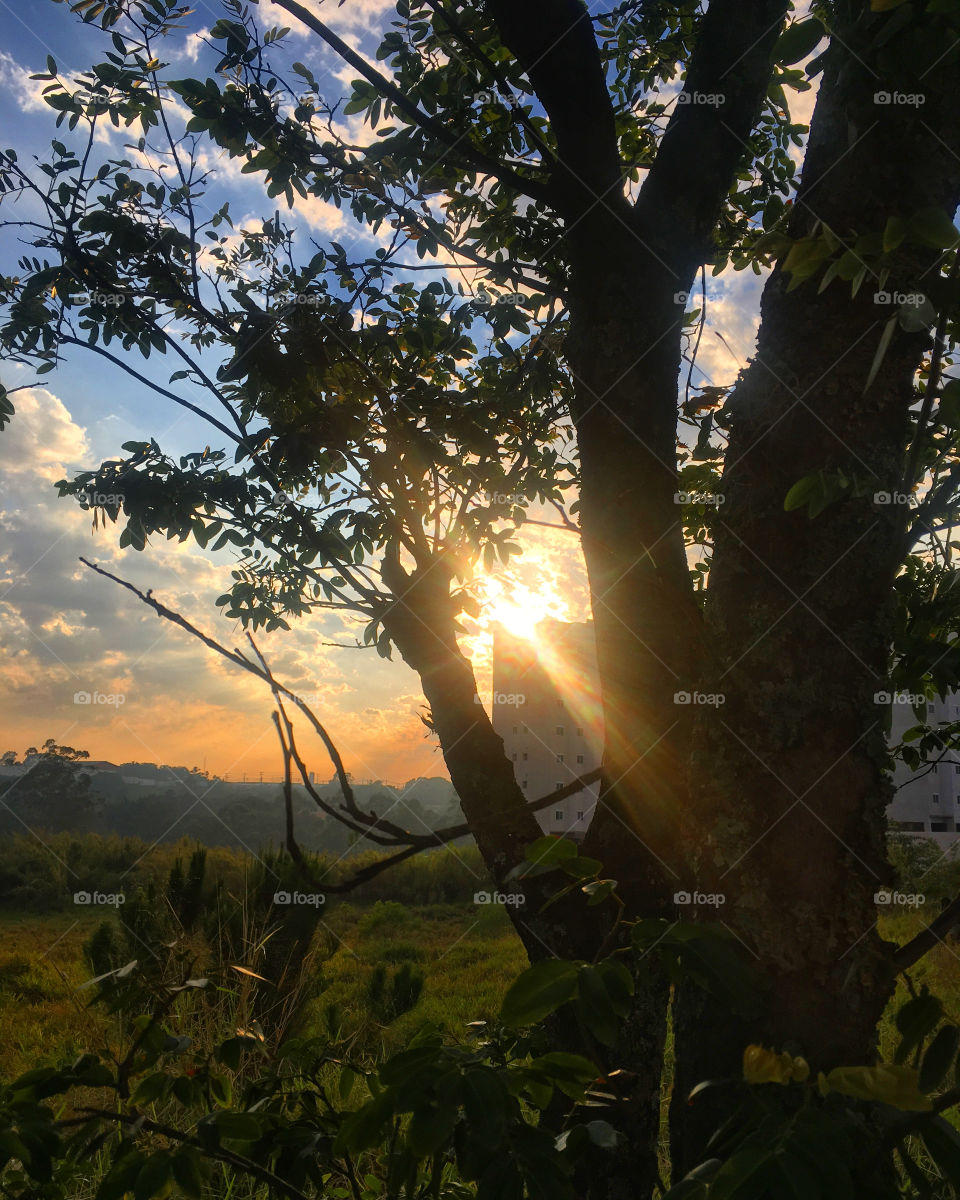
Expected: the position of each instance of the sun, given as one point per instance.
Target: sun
(518, 608)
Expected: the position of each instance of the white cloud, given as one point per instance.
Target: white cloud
(27, 92)
(43, 439)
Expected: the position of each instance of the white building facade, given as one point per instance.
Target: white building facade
(927, 801)
(546, 707)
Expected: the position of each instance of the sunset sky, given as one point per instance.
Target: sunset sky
(64, 630)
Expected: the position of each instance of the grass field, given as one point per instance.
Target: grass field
(467, 955)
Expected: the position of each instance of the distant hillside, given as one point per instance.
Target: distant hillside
(163, 804)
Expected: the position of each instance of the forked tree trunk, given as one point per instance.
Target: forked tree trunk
(799, 610)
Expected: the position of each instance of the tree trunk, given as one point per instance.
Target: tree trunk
(799, 611)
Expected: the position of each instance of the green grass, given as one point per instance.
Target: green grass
(468, 957)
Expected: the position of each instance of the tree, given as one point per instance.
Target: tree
(52, 793)
(550, 151)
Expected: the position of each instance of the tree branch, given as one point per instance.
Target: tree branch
(454, 141)
(932, 936)
(554, 42)
(375, 829)
(678, 205)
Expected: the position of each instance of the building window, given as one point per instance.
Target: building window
(938, 827)
(558, 788)
(929, 708)
(560, 730)
(579, 758)
(524, 756)
(579, 731)
(559, 758)
(558, 814)
(935, 797)
(524, 785)
(580, 815)
(956, 769)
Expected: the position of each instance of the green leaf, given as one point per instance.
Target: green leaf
(602, 1134)
(933, 227)
(363, 1129)
(915, 1021)
(187, 1172)
(798, 41)
(539, 991)
(939, 1058)
(882, 347)
(153, 1176)
(594, 1007)
(799, 495)
(237, 1126)
(598, 890)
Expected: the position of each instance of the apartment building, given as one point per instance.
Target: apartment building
(546, 707)
(927, 801)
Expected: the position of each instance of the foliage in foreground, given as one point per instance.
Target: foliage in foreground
(166, 1111)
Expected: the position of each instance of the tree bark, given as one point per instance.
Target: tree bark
(799, 610)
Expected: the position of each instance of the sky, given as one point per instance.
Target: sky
(162, 697)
